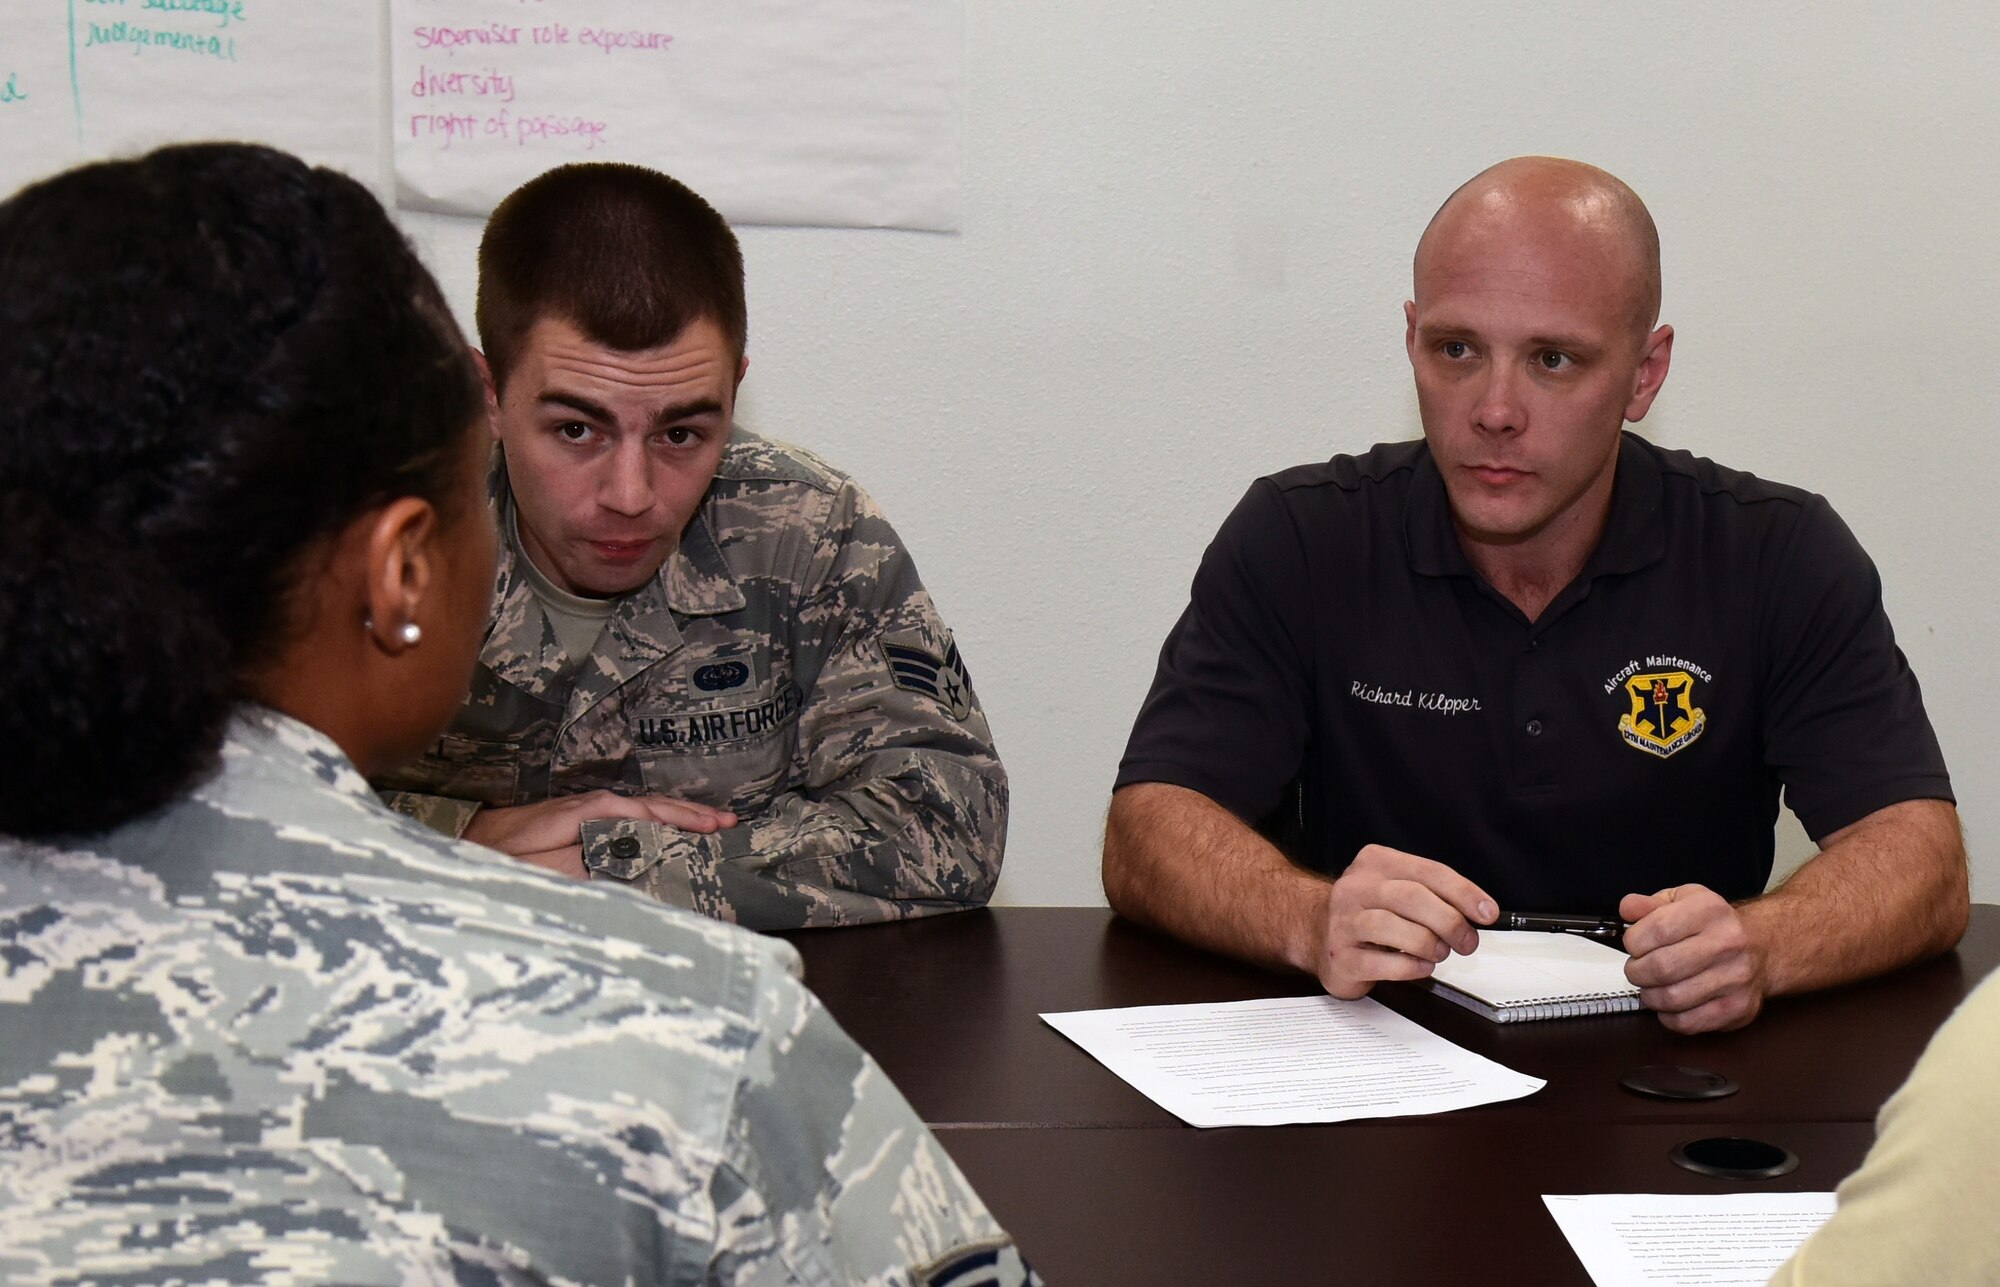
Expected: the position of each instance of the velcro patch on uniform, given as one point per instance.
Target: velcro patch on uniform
(974, 1266)
(720, 676)
(913, 666)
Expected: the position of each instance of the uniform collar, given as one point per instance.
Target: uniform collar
(521, 644)
(1634, 536)
(697, 578)
(261, 736)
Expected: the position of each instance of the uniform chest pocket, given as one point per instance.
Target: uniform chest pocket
(735, 754)
(466, 768)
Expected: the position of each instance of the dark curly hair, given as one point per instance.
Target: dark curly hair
(214, 357)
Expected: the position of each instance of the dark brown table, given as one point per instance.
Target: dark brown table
(1101, 1186)
(1447, 1200)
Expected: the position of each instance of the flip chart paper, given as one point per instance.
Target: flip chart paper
(85, 79)
(776, 111)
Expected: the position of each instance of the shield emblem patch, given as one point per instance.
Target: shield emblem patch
(1663, 718)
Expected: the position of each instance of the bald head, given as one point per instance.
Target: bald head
(1591, 213)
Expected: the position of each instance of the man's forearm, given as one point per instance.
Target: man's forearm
(925, 836)
(1178, 862)
(1886, 891)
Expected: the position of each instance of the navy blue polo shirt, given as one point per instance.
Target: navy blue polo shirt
(1725, 640)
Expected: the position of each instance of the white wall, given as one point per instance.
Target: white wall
(1185, 248)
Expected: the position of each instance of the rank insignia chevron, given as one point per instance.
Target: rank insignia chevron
(915, 667)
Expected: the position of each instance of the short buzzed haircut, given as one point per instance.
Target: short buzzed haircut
(627, 255)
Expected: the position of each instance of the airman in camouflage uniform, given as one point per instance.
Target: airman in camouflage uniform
(785, 664)
(275, 1033)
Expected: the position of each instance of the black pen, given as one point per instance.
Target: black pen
(1605, 929)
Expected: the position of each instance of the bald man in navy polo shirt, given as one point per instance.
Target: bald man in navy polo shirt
(1535, 662)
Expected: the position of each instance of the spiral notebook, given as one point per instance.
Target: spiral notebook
(1516, 976)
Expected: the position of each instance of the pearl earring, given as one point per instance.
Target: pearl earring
(412, 634)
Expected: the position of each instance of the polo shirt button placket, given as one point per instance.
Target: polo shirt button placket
(1532, 696)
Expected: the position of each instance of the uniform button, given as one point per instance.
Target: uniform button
(625, 847)
(1534, 728)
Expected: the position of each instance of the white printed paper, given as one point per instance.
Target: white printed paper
(1687, 1240)
(94, 78)
(776, 111)
(1292, 1059)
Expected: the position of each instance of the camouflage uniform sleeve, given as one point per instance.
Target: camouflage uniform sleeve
(439, 813)
(898, 804)
(828, 1175)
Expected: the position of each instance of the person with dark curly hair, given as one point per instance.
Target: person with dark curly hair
(255, 1026)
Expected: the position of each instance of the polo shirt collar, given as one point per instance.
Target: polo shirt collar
(1635, 533)
(1428, 533)
(1634, 536)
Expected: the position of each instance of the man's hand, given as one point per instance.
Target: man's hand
(548, 834)
(1693, 959)
(1393, 915)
